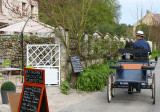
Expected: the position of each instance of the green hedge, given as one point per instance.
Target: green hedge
(155, 53)
(93, 78)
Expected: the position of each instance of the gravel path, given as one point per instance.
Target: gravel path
(56, 100)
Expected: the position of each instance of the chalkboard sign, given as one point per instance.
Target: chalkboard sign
(76, 64)
(31, 98)
(34, 75)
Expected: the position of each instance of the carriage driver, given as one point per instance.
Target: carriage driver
(141, 43)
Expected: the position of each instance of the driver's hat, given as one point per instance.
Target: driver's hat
(140, 33)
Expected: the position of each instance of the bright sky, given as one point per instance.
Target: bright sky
(129, 9)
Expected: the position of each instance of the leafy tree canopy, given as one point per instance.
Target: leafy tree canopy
(145, 28)
(150, 32)
(100, 12)
(79, 16)
(115, 29)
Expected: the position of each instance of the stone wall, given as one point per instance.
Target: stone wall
(8, 16)
(67, 69)
(10, 48)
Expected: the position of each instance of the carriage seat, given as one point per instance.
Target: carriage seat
(148, 67)
(115, 67)
(140, 59)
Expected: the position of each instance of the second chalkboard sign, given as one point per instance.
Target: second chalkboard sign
(34, 75)
(76, 64)
(31, 98)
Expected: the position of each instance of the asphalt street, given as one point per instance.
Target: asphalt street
(122, 102)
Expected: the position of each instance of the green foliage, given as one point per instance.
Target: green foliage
(11, 36)
(155, 34)
(70, 14)
(2, 37)
(145, 28)
(115, 45)
(151, 33)
(79, 17)
(106, 28)
(26, 36)
(33, 36)
(93, 78)
(155, 53)
(114, 29)
(98, 47)
(102, 12)
(14, 36)
(65, 86)
(8, 86)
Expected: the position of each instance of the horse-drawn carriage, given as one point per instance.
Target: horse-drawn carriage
(132, 73)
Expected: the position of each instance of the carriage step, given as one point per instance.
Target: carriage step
(148, 67)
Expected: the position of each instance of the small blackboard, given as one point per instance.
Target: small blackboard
(76, 64)
(34, 75)
(33, 98)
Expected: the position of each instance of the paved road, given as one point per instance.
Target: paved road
(122, 102)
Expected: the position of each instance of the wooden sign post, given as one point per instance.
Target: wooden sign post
(33, 97)
(77, 68)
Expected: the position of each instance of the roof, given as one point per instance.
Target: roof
(98, 33)
(157, 16)
(31, 26)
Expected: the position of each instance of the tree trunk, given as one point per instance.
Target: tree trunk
(74, 77)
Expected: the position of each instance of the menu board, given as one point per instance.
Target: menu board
(34, 75)
(76, 64)
(31, 98)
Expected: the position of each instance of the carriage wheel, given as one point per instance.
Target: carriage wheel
(109, 88)
(153, 88)
(113, 89)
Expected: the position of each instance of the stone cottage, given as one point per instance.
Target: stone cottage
(12, 11)
(149, 19)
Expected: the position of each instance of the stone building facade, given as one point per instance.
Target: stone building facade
(12, 11)
(149, 19)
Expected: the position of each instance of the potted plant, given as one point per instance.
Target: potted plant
(7, 87)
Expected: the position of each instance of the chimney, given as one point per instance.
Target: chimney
(148, 11)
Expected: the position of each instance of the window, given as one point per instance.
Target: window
(0, 6)
(156, 23)
(32, 10)
(23, 8)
